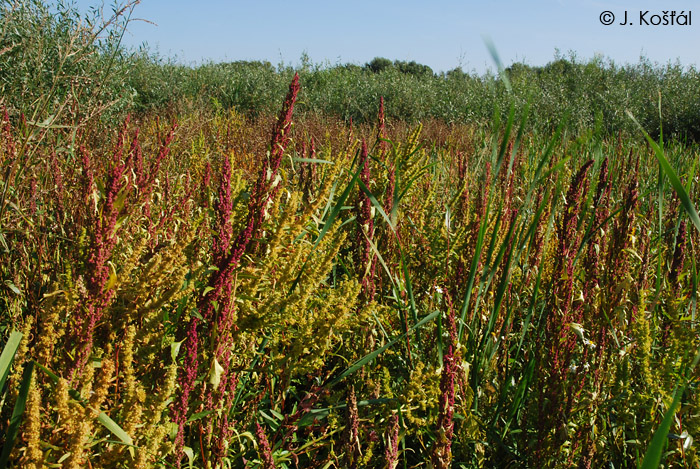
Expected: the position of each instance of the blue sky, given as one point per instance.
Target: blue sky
(442, 34)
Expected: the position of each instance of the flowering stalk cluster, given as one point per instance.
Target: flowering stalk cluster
(461, 213)
(473, 232)
(103, 242)
(600, 213)
(206, 181)
(508, 176)
(560, 340)
(264, 448)
(216, 303)
(442, 452)
(352, 431)
(104, 231)
(622, 229)
(220, 395)
(535, 256)
(390, 188)
(391, 452)
(58, 181)
(7, 135)
(9, 156)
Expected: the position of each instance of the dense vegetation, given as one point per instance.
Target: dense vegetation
(52, 52)
(201, 284)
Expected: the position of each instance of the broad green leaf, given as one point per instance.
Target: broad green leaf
(200, 415)
(175, 349)
(337, 208)
(190, 455)
(376, 204)
(113, 277)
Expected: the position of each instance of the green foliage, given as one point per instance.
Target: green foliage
(483, 255)
(381, 64)
(57, 67)
(66, 48)
(591, 93)
(509, 284)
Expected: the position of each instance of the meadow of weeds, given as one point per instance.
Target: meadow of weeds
(197, 287)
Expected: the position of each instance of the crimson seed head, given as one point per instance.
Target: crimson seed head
(572, 209)
(206, 181)
(600, 208)
(604, 183)
(481, 203)
(352, 429)
(364, 163)
(147, 186)
(617, 259)
(264, 188)
(264, 447)
(9, 141)
(678, 254)
(88, 178)
(280, 132)
(307, 172)
(312, 155)
(391, 452)
(32, 196)
(186, 381)
(58, 180)
(224, 206)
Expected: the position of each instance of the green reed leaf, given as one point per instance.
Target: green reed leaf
(116, 430)
(672, 176)
(103, 418)
(17, 413)
(8, 355)
(374, 354)
(335, 211)
(652, 457)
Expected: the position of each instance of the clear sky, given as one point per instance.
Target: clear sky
(442, 34)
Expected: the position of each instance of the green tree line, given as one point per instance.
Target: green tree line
(51, 54)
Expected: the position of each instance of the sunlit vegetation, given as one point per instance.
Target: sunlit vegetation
(235, 265)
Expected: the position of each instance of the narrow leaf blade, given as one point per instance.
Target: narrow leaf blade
(8, 355)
